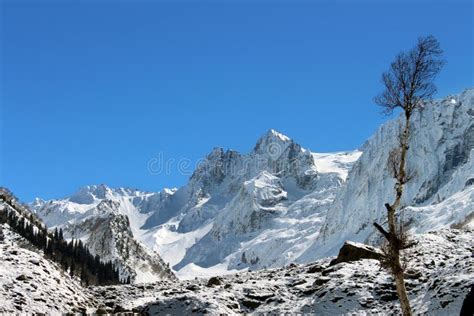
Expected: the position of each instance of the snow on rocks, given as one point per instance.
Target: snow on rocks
(280, 203)
(29, 283)
(439, 275)
(352, 251)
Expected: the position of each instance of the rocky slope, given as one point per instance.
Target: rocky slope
(440, 273)
(29, 283)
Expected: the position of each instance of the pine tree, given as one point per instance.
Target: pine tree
(56, 234)
(72, 268)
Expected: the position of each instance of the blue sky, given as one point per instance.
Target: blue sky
(91, 91)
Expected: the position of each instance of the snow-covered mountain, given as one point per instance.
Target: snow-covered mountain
(281, 203)
(237, 211)
(262, 205)
(264, 210)
(440, 194)
(107, 221)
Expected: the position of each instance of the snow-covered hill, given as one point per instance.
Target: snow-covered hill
(439, 275)
(31, 284)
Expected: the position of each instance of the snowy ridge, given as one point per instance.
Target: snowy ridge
(248, 199)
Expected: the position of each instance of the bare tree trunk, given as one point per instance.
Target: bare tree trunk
(395, 264)
(394, 241)
(402, 291)
(401, 175)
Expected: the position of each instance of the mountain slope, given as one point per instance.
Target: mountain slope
(261, 204)
(106, 221)
(32, 284)
(441, 159)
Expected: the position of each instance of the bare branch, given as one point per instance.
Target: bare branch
(382, 231)
(409, 80)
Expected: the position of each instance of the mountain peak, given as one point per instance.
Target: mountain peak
(276, 135)
(273, 143)
(89, 193)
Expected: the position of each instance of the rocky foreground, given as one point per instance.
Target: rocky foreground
(439, 275)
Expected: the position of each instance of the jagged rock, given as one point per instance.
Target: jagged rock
(352, 251)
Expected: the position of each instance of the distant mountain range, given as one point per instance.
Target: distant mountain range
(278, 204)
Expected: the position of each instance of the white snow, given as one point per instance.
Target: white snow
(280, 135)
(29, 283)
(172, 245)
(338, 162)
(191, 271)
(441, 160)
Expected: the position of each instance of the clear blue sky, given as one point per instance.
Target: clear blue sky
(91, 91)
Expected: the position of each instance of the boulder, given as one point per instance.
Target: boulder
(352, 251)
(214, 281)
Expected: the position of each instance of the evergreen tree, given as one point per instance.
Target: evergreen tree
(72, 268)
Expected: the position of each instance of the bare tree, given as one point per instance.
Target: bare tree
(408, 86)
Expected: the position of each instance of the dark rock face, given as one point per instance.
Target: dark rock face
(354, 251)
